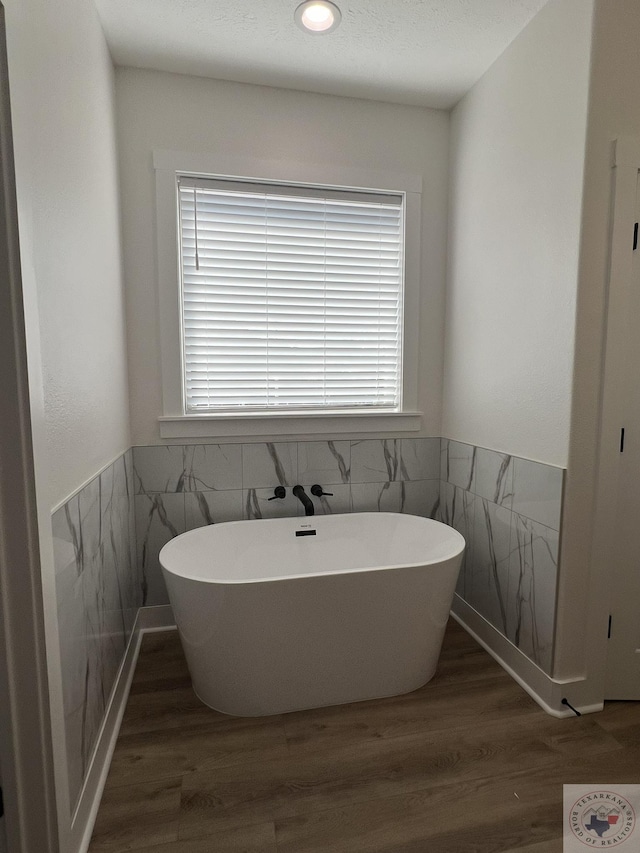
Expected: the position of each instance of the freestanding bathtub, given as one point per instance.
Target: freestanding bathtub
(283, 614)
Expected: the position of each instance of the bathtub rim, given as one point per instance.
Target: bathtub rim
(456, 551)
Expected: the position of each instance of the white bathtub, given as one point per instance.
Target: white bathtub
(283, 614)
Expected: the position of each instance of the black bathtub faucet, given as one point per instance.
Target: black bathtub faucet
(318, 492)
(304, 499)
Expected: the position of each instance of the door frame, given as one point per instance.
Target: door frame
(26, 753)
(607, 550)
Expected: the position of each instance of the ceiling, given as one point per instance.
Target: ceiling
(424, 52)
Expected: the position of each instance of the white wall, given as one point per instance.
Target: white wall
(62, 99)
(190, 114)
(517, 158)
(61, 80)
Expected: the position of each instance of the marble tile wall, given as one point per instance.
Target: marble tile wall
(508, 510)
(99, 590)
(180, 487)
(108, 536)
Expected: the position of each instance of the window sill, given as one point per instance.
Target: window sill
(254, 425)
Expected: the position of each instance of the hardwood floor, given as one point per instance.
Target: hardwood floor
(466, 764)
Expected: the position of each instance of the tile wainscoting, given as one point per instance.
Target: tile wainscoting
(99, 590)
(180, 487)
(508, 510)
(108, 536)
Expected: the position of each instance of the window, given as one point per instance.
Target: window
(291, 297)
(288, 301)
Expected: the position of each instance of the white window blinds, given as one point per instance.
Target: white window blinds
(291, 297)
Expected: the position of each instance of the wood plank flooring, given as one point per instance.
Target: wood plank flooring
(467, 764)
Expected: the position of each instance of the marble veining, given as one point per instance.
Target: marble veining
(531, 489)
(457, 509)
(277, 464)
(212, 467)
(159, 518)
(508, 510)
(252, 506)
(182, 487)
(340, 460)
(420, 497)
(458, 464)
(225, 467)
(391, 460)
(419, 459)
(159, 468)
(324, 462)
(117, 546)
(494, 477)
(375, 460)
(108, 536)
(266, 465)
(532, 590)
(98, 590)
(376, 497)
(488, 576)
(202, 508)
(482, 493)
(338, 501)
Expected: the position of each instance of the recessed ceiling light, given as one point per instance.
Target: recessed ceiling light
(317, 16)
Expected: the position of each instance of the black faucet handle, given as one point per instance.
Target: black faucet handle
(279, 492)
(318, 492)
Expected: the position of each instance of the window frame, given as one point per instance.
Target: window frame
(174, 422)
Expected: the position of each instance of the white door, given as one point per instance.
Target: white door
(621, 440)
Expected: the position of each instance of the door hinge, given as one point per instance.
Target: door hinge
(622, 440)
(635, 236)
(609, 629)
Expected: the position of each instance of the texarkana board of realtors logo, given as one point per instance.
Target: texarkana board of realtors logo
(601, 817)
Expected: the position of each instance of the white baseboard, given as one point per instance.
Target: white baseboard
(158, 618)
(548, 692)
(148, 619)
